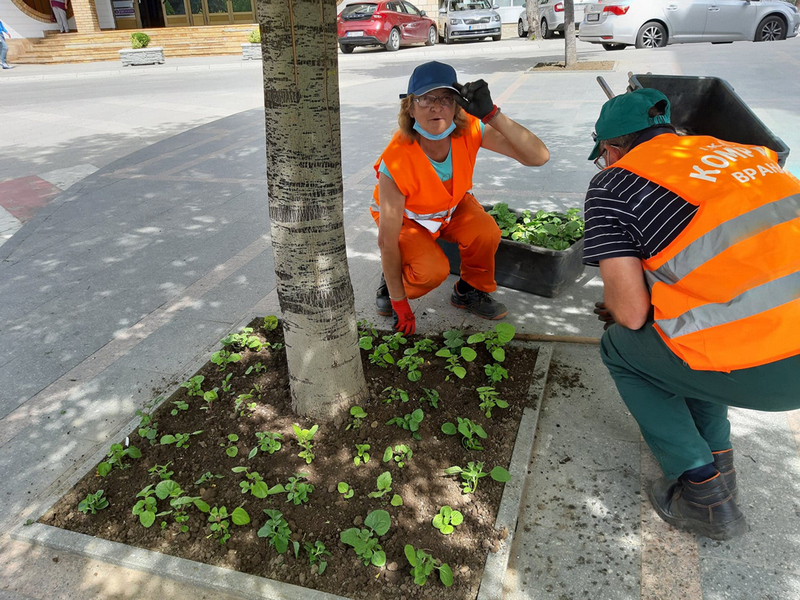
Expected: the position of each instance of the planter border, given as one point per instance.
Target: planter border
(251, 51)
(157, 53)
(236, 583)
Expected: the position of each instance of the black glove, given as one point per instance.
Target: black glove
(475, 98)
(603, 315)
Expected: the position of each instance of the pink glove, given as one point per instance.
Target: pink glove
(403, 317)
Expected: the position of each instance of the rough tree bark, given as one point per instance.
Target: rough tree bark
(534, 20)
(304, 182)
(570, 53)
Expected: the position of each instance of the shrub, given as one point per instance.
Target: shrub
(255, 36)
(139, 40)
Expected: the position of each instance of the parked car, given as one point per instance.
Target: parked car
(551, 13)
(656, 23)
(388, 24)
(468, 19)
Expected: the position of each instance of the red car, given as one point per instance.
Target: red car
(388, 24)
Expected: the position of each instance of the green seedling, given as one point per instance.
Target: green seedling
(222, 358)
(423, 345)
(161, 470)
(412, 364)
(116, 458)
(471, 433)
(304, 440)
(296, 490)
(181, 440)
(358, 415)
(254, 484)
(394, 341)
(409, 422)
(258, 368)
(447, 520)
(431, 397)
(384, 485)
(148, 429)
(396, 500)
(489, 399)
(145, 508)
(316, 553)
(381, 356)
(423, 564)
(363, 455)
(454, 356)
(210, 396)
(345, 490)
(366, 328)
(267, 442)
(365, 541)
(218, 517)
(495, 372)
(502, 334)
(453, 338)
(270, 323)
(207, 476)
(179, 406)
(226, 384)
(401, 454)
(92, 503)
(365, 342)
(193, 385)
(242, 340)
(230, 448)
(474, 472)
(276, 530)
(241, 406)
(394, 394)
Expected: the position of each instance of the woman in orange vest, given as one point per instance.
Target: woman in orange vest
(423, 192)
(698, 244)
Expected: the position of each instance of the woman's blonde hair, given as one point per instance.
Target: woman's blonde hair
(406, 121)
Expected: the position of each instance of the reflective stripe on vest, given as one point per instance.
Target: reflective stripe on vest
(443, 215)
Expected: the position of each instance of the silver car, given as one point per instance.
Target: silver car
(551, 13)
(468, 19)
(656, 23)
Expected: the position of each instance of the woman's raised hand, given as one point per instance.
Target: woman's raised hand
(475, 98)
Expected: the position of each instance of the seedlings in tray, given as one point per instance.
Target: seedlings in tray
(254, 484)
(193, 385)
(454, 357)
(222, 358)
(161, 471)
(226, 383)
(242, 340)
(502, 334)
(258, 368)
(207, 476)
(267, 442)
(92, 503)
(297, 491)
(270, 323)
(365, 541)
(181, 440)
(363, 455)
(423, 564)
(148, 429)
(316, 553)
(209, 397)
(392, 394)
(470, 433)
(495, 372)
(447, 520)
(231, 449)
(412, 364)
(304, 440)
(489, 399)
(474, 472)
(384, 485)
(409, 422)
(345, 490)
(116, 458)
(401, 454)
(431, 397)
(358, 415)
(179, 406)
(218, 517)
(276, 530)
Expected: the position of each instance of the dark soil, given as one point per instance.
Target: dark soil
(421, 483)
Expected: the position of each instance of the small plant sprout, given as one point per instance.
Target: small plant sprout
(396, 500)
(116, 458)
(447, 520)
(423, 564)
(431, 397)
(409, 422)
(218, 517)
(363, 455)
(474, 472)
(358, 415)
(254, 484)
(381, 356)
(495, 372)
(222, 358)
(179, 406)
(207, 476)
(270, 323)
(267, 442)
(394, 394)
(296, 489)
(145, 508)
(394, 341)
(181, 440)
(316, 553)
(502, 334)
(226, 383)
(276, 530)
(92, 503)
(366, 328)
(193, 385)
(209, 397)
(453, 338)
(148, 429)
(304, 440)
(258, 368)
(241, 406)
(242, 340)
(345, 490)
(454, 356)
(471, 433)
(489, 399)
(384, 485)
(412, 364)
(161, 471)
(401, 454)
(365, 541)
(230, 447)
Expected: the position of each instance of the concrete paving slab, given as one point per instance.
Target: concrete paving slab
(728, 580)
(66, 178)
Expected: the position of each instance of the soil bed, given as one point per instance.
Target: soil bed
(421, 482)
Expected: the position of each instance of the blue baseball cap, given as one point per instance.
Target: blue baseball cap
(431, 76)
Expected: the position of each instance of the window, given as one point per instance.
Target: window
(411, 9)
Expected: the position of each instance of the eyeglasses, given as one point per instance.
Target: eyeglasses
(428, 100)
(601, 162)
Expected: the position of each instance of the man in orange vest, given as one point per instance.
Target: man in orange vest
(698, 244)
(423, 192)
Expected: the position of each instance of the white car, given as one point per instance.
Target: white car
(655, 23)
(551, 13)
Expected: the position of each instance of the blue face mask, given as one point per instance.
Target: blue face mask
(430, 136)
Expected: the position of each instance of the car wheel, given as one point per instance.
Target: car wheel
(393, 43)
(771, 29)
(432, 35)
(546, 33)
(652, 35)
(447, 39)
(520, 29)
(497, 38)
(611, 47)
(347, 48)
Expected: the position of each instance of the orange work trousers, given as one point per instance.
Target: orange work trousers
(425, 265)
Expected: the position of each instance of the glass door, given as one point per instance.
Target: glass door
(242, 11)
(175, 14)
(198, 12)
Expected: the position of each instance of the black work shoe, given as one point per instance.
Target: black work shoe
(723, 462)
(382, 300)
(479, 303)
(706, 508)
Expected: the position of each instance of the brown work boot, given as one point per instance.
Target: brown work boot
(706, 508)
(723, 462)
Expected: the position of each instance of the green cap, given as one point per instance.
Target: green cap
(627, 113)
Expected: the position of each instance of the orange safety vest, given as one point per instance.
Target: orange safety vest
(726, 291)
(428, 198)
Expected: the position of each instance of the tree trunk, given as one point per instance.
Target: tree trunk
(570, 53)
(304, 182)
(534, 20)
